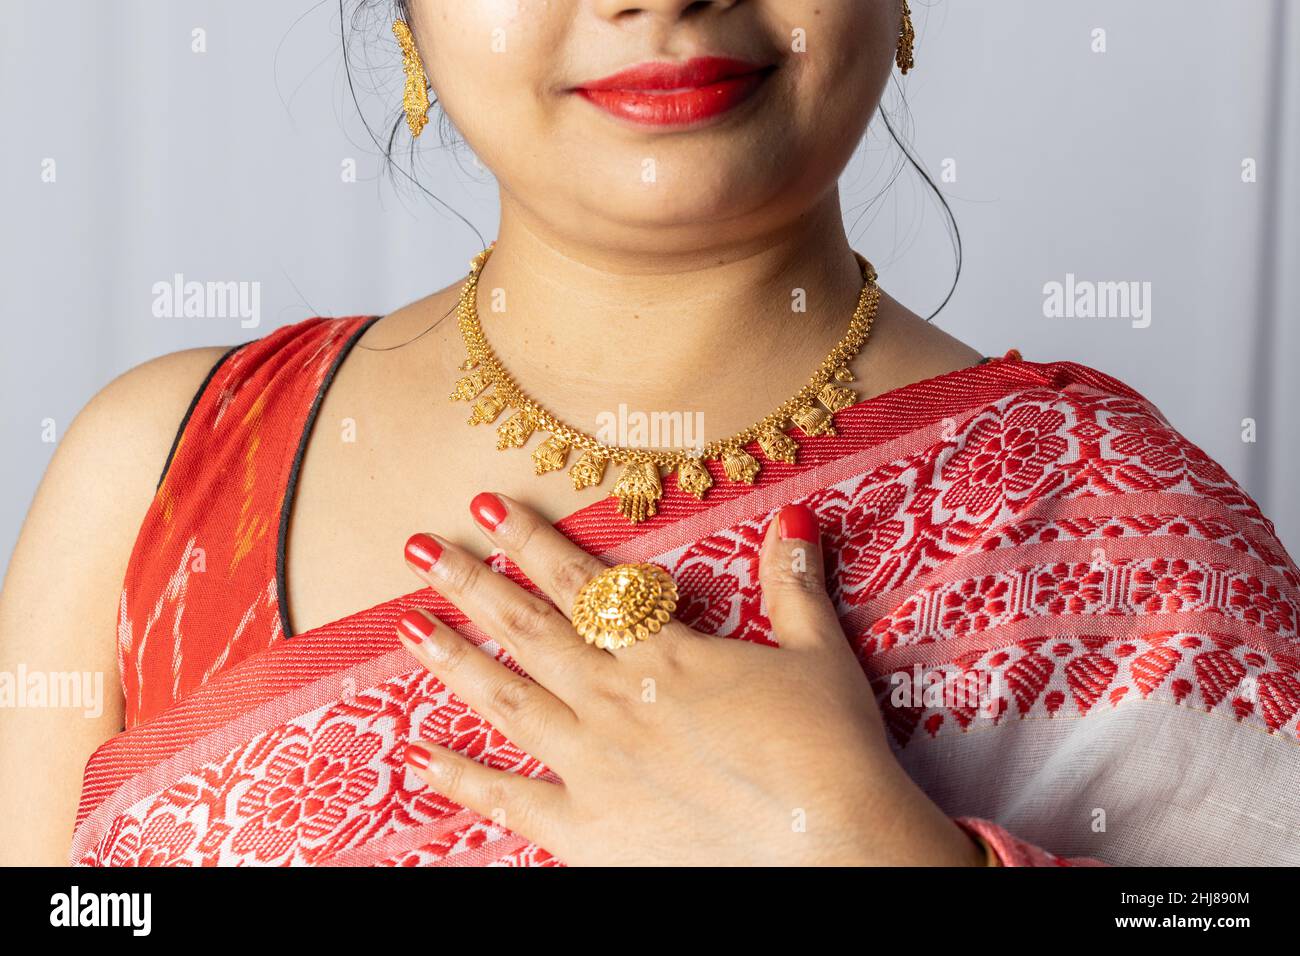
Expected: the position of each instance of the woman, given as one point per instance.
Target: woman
(912, 606)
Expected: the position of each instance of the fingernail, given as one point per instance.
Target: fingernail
(418, 756)
(415, 626)
(487, 510)
(798, 521)
(422, 551)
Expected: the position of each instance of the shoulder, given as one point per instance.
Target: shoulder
(61, 591)
(105, 470)
(125, 431)
(145, 405)
(1075, 427)
(106, 467)
(904, 348)
(1067, 439)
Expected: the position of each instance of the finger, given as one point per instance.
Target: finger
(534, 809)
(552, 562)
(526, 712)
(531, 630)
(793, 579)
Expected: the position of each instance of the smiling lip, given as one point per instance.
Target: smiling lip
(662, 93)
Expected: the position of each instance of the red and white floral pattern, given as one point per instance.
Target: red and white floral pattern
(1060, 543)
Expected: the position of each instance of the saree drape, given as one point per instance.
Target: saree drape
(1081, 632)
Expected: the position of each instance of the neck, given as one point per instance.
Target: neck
(584, 328)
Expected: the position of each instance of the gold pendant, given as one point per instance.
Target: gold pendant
(740, 466)
(836, 397)
(550, 455)
(589, 470)
(694, 478)
(813, 420)
(638, 490)
(778, 446)
(515, 431)
(486, 409)
(470, 385)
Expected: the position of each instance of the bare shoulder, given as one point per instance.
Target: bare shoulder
(59, 603)
(125, 432)
(108, 463)
(104, 474)
(436, 310)
(100, 482)
(905, 348)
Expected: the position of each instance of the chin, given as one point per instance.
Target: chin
(687, 192)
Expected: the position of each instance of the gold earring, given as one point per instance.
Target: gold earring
(415, 97)
(906, 42)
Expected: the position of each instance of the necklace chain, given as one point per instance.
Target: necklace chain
(640, 490)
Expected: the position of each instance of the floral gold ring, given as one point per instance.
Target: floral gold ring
(624, 604)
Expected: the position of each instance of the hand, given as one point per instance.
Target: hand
(686, 748)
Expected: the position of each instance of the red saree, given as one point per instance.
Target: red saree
(1036, 530)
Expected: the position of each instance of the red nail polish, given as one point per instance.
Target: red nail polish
(418, 756)
(798, 521)
(415, 626)
(422, 551)
(487, 509)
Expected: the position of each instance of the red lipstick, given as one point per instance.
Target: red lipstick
(662, 93)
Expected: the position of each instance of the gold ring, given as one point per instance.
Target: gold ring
(624, 604)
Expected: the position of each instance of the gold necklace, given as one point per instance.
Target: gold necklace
(639, 487)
